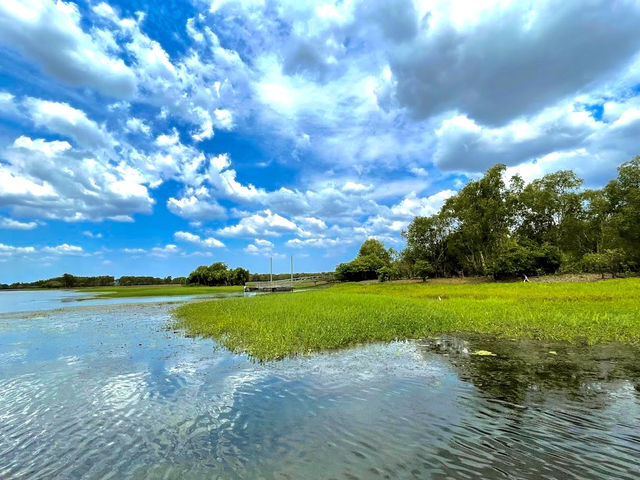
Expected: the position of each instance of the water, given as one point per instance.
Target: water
(108, 392)
(30, 300)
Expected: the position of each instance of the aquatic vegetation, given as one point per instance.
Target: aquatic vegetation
(157, 291)
(273, 326)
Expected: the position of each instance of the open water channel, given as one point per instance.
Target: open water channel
(102, 389)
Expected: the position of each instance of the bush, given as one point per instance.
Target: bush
(547, 259)
(609, 261)
(515, 260)
(385, 274)
(362, 268)
(423, 269)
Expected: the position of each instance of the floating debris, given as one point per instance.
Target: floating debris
(484, 353)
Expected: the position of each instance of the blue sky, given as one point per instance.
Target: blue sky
(151, 137)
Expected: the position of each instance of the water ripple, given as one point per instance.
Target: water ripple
(109, 393)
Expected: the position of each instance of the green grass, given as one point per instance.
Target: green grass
(276, 325)
(157, 291)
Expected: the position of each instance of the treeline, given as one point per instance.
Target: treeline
(71, 281)
(65, 281)
(218, 274)
(502, 229)
(126, 281)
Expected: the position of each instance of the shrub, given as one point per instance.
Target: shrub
(423, 269)
(362, 268)
(609, 261)
(385, 274)
(515, 260)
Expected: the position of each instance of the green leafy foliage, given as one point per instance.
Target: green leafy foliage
(218, 274)
(609, 261)
(361, 268)
(514, 260)
(127, 281)
(67, 281)
(507, 230)
(376, 248)
(423, 269)
(385, 274)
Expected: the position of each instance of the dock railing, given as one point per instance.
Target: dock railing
(297, 282)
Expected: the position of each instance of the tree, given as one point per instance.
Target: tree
(427, 239)
(515, 260)
(624, 196)
(361, 268)
(609, 261)
(481, 215)
(549, 210)
(385, 274)
(423, 269)
(375, 247)
(200, 276)
(240, 276)
(68, 280)
(217, 274)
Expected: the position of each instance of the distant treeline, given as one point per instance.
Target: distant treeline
(127, 281)
(491, 227)
(71, 281)
(219, 274)
(215, 274)
(66, 281)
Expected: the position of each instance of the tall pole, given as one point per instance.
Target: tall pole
(271, 270)
(291, 271)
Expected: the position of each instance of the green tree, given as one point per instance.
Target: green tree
(427, 239)
(609, 261)
(550, 210)
(361, 268)
(423, 269)
(218, 274)
(385, 274)
(623, 194)
(200, 276)
(240, 276)
(481, 214)
(375, 247)
(68, 280)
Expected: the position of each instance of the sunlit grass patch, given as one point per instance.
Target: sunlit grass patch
(273, 326)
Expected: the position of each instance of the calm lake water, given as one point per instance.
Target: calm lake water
(106, 391)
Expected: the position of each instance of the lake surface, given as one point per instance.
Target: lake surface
(107, 391)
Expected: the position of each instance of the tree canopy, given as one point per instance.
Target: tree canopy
(218, 274)
(508, 228)
(550, 224)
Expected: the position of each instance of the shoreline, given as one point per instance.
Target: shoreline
(270, 327)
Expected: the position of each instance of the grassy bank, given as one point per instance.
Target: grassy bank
(273, 326)
(157, 291)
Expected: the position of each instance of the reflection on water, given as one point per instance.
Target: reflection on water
(108, 392)
(12, 301)
(30, 300)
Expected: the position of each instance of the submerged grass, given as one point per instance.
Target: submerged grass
(273, 326)
(157, 291)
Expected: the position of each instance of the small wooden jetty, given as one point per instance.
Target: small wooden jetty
(286, 285)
